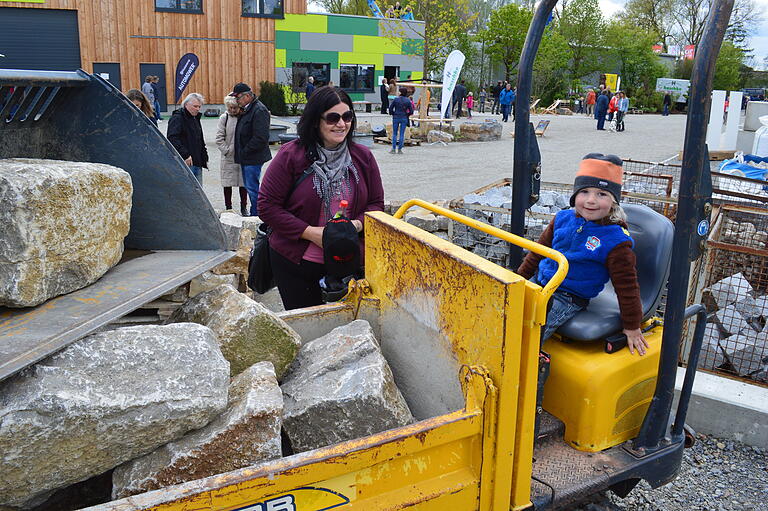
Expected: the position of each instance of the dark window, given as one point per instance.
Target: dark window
(356, 78)
(190, 6)
(302, 70)
(263, 8)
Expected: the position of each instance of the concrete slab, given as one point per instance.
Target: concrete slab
(727, 408)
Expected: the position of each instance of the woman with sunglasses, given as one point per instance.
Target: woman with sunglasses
(339, 169)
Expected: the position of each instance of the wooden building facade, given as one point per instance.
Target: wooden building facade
(125, 40)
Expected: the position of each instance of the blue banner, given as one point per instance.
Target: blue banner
(186, 67)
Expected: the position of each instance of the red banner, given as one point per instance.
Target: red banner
(657, 48)
(690, 51)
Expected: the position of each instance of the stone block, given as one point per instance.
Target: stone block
(239, 262)
(232, 223)
(62, 226)
(746, 351)
(179, 294)
(247, 331)
(106, 399)
(209, 280)
(339, 388)
(730, 290)
(422, 219)
(438, 136)
(731, 321)
(247, 432)
(481, 131)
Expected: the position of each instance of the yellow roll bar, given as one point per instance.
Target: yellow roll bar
(562, 262)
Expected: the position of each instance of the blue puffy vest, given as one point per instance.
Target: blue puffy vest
(586, 245)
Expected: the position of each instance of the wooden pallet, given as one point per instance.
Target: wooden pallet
(713, 155)
(388, 141)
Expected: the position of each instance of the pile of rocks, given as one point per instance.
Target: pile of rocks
(487, 205)
(736, 335)
(159, 405)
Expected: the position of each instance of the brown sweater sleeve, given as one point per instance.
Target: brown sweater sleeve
(621, 267)
(531, 262)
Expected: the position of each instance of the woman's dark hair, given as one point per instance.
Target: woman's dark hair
(403, 91)
(136, 94)
(308, 129)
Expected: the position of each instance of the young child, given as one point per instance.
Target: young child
(593, 236)
(470, 104)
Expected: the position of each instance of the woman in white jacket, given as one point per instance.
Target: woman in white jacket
(231, 174)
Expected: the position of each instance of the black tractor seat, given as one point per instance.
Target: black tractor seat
(652, 234)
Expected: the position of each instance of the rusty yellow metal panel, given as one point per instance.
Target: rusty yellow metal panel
(439, 457)
(602, 398)
(429, 287)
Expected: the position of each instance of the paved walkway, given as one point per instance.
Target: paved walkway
(448, 172)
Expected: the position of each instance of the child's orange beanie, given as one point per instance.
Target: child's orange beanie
(598, 170)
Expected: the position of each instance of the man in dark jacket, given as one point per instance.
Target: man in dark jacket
(601, 108)
(185, 133)
(310, 86)
(384, 91)
(496, 91)
(459, 93)
(251, 140)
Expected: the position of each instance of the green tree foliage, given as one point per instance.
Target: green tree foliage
(728, 68)
(630, 49)
(505, 35)
(550, 69)
(654, 16)
(446, 23)
(583, 27)
(271, 94)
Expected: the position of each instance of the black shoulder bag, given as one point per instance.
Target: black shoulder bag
(260, 277)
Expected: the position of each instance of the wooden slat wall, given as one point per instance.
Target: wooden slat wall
(106, 27)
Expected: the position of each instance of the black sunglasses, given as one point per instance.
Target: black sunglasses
(333, 117)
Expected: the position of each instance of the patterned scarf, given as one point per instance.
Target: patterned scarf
(331, 176)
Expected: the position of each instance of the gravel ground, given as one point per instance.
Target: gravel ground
(717, 475)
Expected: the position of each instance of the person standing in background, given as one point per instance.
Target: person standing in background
(185, 133)
(496, 91)
(231, 173)
(623, 109)
(470, 104)
(310, 86)
(591, 98)
(140, 100)
(481, 96)
(601, 108)
(401, 109)
(156, 89)
(251, 140)
(506, 98)
(384, 92)
(148, 90)
(667, 103)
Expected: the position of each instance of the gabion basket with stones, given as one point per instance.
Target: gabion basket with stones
(731, 279)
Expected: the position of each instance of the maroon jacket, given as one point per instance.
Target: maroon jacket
(290, 216)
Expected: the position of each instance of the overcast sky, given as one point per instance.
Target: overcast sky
(758, 40)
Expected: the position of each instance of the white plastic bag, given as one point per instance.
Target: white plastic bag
(760, 147)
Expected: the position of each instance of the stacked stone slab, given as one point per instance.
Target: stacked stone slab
(62, 226)
(247, 331)
(481, 131)
(105, 400)
(246, 433)
(339, 388)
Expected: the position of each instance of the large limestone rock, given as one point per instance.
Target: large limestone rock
(247, 331)
(107, 399)
(209, 280)
(340, 387)
(62, 226)
(481, 131)
(439, 136)
(247, 432)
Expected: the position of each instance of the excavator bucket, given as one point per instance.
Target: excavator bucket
(174, 234)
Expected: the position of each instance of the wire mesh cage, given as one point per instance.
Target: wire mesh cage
(732, 281)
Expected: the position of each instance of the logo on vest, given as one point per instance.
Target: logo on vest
(593, 243)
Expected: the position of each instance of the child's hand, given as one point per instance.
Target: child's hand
(636, 341)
